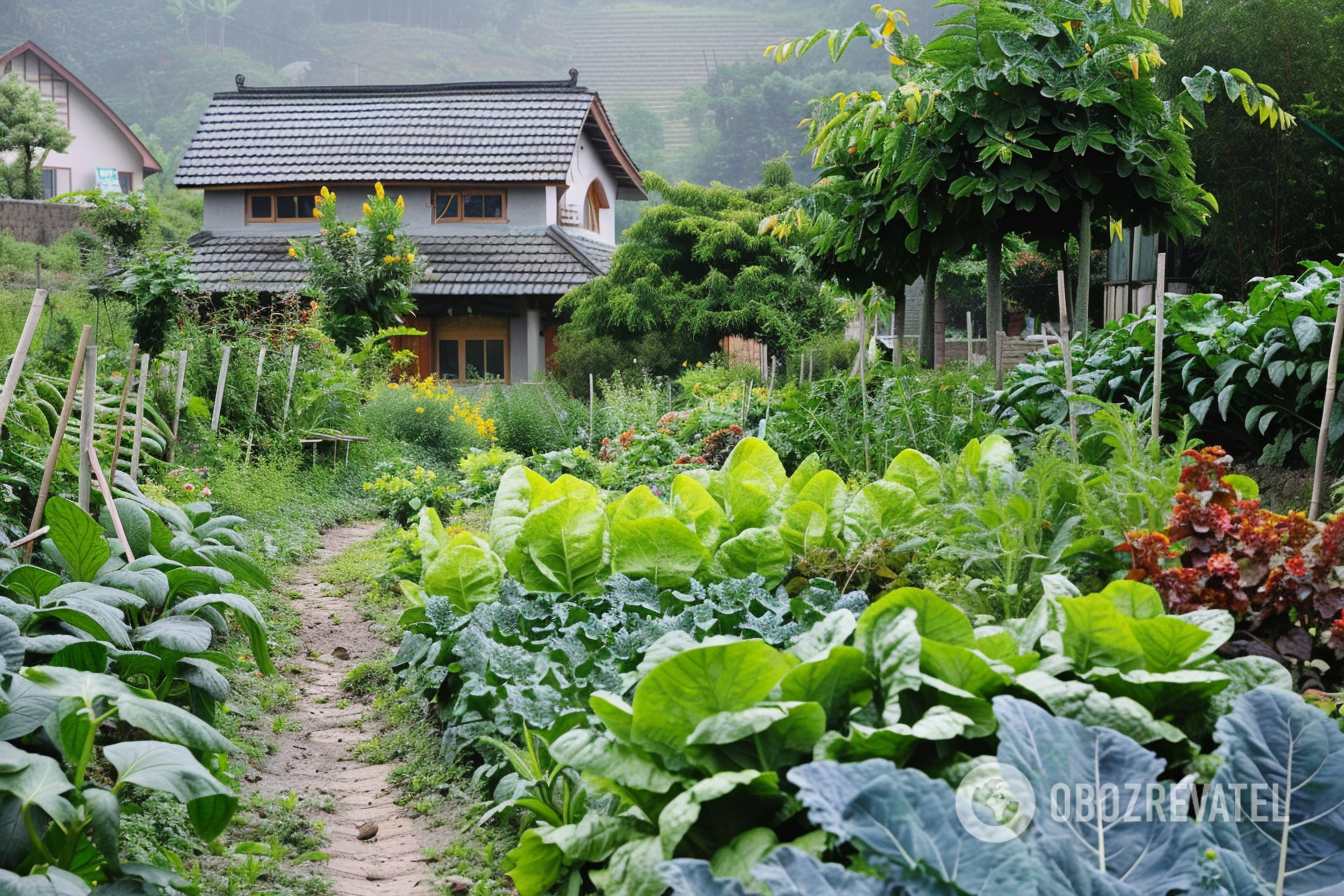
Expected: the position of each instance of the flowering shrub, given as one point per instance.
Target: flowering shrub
(429, 413)
(403, 492)
(360, 273)
(1281, 575)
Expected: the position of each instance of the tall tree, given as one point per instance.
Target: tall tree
(30, 128)
(1033, 118)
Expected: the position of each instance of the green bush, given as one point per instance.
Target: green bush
(430, 419)
(535, 419)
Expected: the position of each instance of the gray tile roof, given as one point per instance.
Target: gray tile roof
(543, 261)
(510, 132)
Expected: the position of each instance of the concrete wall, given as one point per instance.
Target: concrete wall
(584, 168)
(37, 222)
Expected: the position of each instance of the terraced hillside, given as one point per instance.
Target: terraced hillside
(650, 54)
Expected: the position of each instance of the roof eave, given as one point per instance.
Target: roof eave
(629, 183)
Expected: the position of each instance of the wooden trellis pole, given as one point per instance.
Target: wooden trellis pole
(177, 402)
(88, 416)
(970, 342)
(21, 352)
(1066, 339)
(1323, 437)
(121, 408)
(111, 505)
(219, 389)
(137, 440)
(59, 436)
(591, 437)
(289, 390)
(1160, 297)
(256, 397)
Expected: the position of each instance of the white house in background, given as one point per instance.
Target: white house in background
(102, 140)
(509, 189)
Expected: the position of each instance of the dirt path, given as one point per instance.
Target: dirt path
(315, 761)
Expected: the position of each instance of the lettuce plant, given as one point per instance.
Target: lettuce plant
(1276, 757)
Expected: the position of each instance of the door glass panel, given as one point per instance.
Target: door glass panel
(475, 358)
(494, 358)
(448, 360)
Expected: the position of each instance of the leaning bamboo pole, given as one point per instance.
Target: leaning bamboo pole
(21, 352)
(1323, 437)
(58, 437)
(1066, 339)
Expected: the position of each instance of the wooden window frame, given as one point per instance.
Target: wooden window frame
(273, 195)
(56, 174)
(467, 329)
(461, 192)
(130, 179)
(594, 201)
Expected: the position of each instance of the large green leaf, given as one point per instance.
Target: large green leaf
(760, 456)
(890, 639)
(172, 723)
(681, 814)
(917, 472)
(244, 613)
(683, 691)
(31, 582)
(11, 646)
(648, 542)
(242, 566)
(1284, 797)
(1088, 704)
(78, 537)
(536, 864)
(827, 490)
(879, 511)
(181, 634)
(561, 546)
(693, 505)
(99, 620)
(833, 680)
(626, 765)
(1097, 634)
(513, 502)
(466, 571)
(36, 780)
(748, 496)
(760, 551)
(135, 523)
(171, 768)
(935, 618)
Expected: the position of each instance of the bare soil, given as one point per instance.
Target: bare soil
(315, 762)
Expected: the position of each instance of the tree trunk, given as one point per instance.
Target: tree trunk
(1084, 282)
(926, 358)
(994, 290)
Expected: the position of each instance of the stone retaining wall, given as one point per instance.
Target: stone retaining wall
(37, 222)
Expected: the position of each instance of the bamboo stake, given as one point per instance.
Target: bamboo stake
(177, 402)
(1331, 381)
(863, 383)
(219, 389)
(110, 504)
(769, 394)
(970, 343)
(88, 415)
(289, 390)
(256, 396)
(592, 439)
(21, 352)
(136, 440)
(1159, 297)
(59, 436)
(1066, 339)
(998, 360)
(121, 408)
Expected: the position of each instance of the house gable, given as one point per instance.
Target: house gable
(101, 137)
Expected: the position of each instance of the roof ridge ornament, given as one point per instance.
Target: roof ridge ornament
(239, 79)
(573, 77)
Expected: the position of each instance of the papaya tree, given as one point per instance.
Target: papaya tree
(1035, 117)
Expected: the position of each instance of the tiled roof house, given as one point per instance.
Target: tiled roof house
(509, 190)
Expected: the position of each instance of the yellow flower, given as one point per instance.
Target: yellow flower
(378, 188)
(350, 232)
(410, 256)
(388, 259)
(292, 253)
(393, 386)
(317, 213)
(325, 192)
(419, 410)
(401, 203)
(391, 238)
(684, 363)
(368, 210)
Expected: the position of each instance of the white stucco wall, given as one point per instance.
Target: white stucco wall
(584, 168)
(98, 143)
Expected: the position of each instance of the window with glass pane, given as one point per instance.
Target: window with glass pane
(286, 207)
(475, 359)
(448, 360)
(126, 181)
(492, 206)
(306, 205)
(48, 183)
(261, 208)
(494, 358)
(446, 207)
